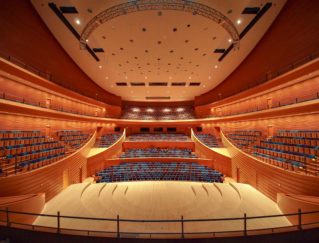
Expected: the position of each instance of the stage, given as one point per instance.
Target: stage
(161, 200)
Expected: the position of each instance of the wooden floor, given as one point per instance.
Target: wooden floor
(161, 200)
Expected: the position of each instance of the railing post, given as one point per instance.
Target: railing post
(58, 221)
(245, 224)
(8, 217)
(118, 226)
(182, 223)
(299, 219)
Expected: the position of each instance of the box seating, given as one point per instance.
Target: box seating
(26, 150)
(244, 138)
(296, 149)
(158, 152)
(158, 137)
(208, 139)
(143, 171)
(107, 140)
(73, 138)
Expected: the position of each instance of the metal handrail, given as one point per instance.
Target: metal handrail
(182, 221)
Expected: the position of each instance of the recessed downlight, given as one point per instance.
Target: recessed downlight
(238, 21)
(77, 21)
(215, 66)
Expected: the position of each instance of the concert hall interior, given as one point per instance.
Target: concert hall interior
(159, 120)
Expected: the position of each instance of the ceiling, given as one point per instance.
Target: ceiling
(165, 47)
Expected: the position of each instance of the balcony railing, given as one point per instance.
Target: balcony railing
(181, 223)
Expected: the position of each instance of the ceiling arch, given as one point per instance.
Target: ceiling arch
(146, 5)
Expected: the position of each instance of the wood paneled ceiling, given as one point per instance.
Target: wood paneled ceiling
(157, 46)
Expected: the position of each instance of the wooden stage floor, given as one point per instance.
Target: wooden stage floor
(161, 200)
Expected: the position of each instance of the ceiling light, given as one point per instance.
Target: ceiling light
(215, 66)
(77, 21)
(170, 77)
(238, 21)
(106, 77)
(209, 77)
(189, 77)
(126, 77)
(87, 40)
(136, 109)
(100, 67)
(166, 110)
(229, 40)
(145, 77)
(204, 85)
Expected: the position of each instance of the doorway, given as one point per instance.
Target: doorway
(65, 178)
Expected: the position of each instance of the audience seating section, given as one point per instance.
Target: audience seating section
(26, 150)
(208, 139)
(244, 138)
(294, 149)
(158, 137)
(107, 140)
(158, 113)
(150, 171)
(73, 138)
(158, 152)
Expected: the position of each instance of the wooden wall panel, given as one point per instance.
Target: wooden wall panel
(25, 36)
(294, 122)
(220, 162)
(17, 81)
(269, 179)
(97, 162)
(33, 203)
(302, 87)
(293, 35)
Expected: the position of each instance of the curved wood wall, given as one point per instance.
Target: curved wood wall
(50, 179)
(220, 162)
(298, 85)
(97, 162)
(267, 178)
(32, 203)
(293, 35)
(25, 36)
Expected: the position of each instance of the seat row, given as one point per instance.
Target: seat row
(73, 138)
(158, 137)
(208, 139)
(179, 171)
(107, 140)
(158, 152)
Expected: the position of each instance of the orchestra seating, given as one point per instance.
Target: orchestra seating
(26, 150)
(158, 137)
(158, 113)
(73, 138)
(158, 152)
(107, 140)
(208, 139)
(243, 139)
(145, 171)
(291, 149)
